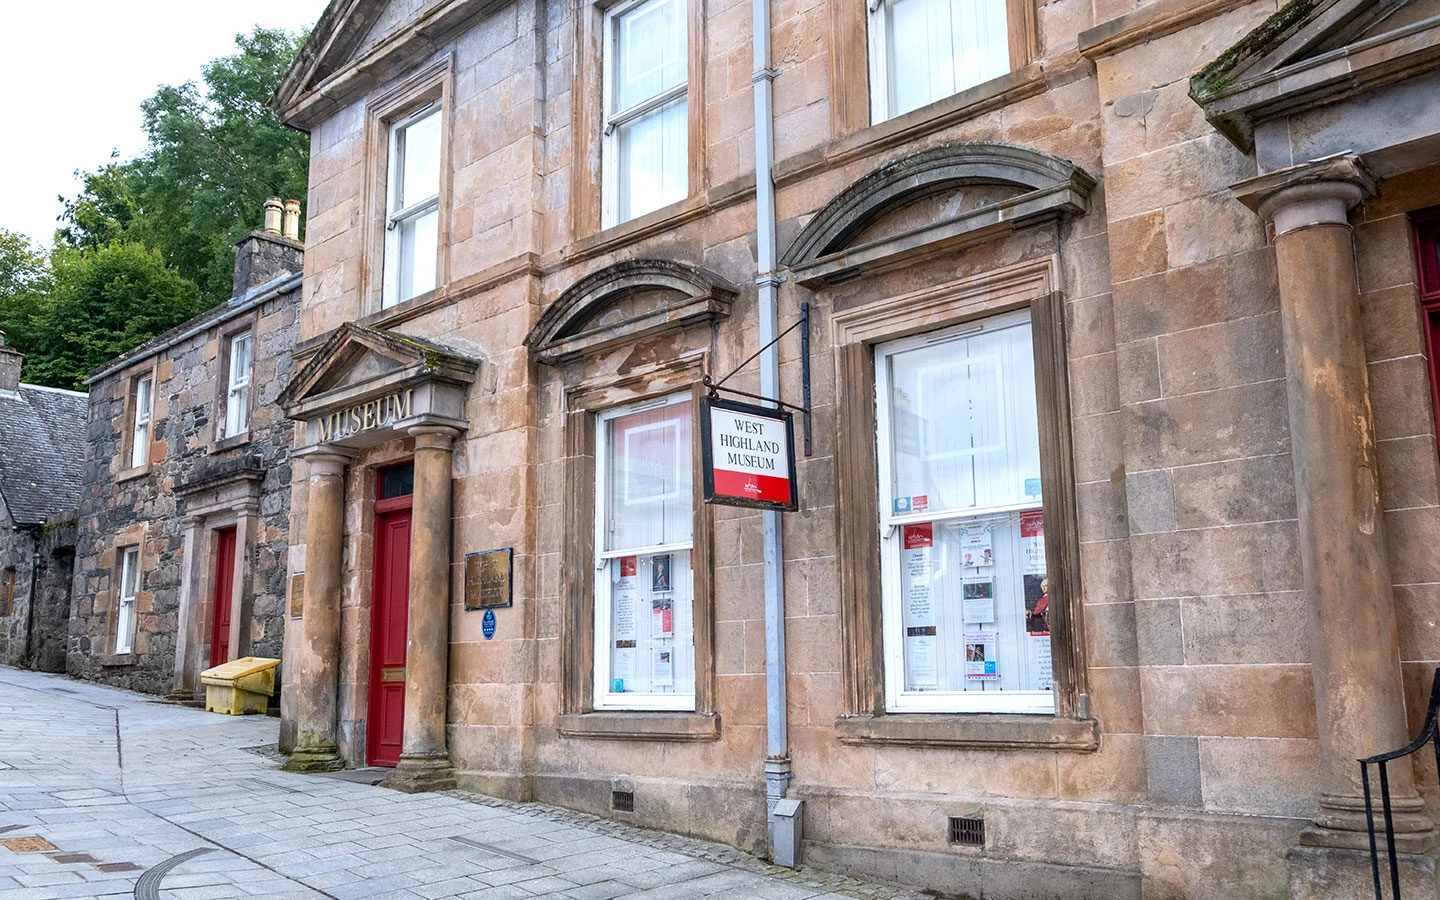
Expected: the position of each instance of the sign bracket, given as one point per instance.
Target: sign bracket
(802, 323)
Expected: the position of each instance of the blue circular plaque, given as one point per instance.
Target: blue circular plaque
(487, 625)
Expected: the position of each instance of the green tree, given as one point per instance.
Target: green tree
(101, 303)
(24, 280)
(214, 154)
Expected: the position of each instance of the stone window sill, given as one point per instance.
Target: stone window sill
(231, 442)
(640, 726)
(136, 472)
(638, 228)
(973, 731)
(118, 659)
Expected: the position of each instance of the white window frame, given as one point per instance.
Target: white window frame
(394, 218)
(237, 392)
(614, 120)
(143, 415)
(897, 699)
(604, 602)
(879, 30)
(125, 604)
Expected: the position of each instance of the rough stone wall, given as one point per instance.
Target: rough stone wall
(1193, 605)
(46, 559)
(17, 548)
(143, 509)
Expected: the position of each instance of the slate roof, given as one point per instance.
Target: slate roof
(42, 451)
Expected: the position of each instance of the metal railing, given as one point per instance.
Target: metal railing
(1428, 735)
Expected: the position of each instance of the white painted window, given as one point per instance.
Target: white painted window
(644, 514)
(237, 394)
(140, 435)
(965, 598)
(924, 50)
(413, 207)
(645, 153)
(125, 608)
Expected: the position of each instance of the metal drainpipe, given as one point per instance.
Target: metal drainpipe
(777, 745)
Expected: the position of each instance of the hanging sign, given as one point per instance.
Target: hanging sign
(747, 455)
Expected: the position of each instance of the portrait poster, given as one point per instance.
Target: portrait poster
(662, 579)
(980, 661)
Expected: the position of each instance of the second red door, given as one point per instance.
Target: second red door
(390, 605)
(224, 589)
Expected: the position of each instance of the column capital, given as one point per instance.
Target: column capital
(1313, 193)
(433, 437)
(326, 460)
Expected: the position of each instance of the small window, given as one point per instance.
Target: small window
(413, 207)
(965, 596)
(645, 645)
(646, 153)
(237, 395)
(140, 437)
(125, 608)
(397, 481)
(925, 50)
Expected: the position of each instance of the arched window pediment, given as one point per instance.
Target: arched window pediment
(668, 296)
(829, 248)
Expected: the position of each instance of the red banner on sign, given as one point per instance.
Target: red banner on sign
(752, 486)
(1032, 523)
(919, 535)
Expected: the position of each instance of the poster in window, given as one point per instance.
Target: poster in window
(978, 599)
(624, 668)
(918, 565)
(662, 667)
(920, 669)
(662, 616)
(980, 658)
(976, 548)
(1044, 669)
(1037, 586)
(625, 600)
(661, 578)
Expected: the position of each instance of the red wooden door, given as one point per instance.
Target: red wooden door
(224, 588)
(390, 604)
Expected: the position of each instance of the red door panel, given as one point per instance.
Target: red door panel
(224, 587)
(389, 608)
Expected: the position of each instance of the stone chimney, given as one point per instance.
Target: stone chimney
(262, 256)
(10, 360)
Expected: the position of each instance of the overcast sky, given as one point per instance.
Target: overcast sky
(74, 73)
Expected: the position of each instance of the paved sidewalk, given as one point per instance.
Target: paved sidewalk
(105, 793)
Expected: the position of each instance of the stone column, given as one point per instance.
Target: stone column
(315, 747)
(1355, 660)
(186, 685)
(424, 758)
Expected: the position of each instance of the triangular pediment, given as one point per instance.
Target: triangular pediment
(359, 359)
(1310, 53)
(357, 42)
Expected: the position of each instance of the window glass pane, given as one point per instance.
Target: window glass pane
(940, 47)
(647, 478)
(140, 437)
(653, 164)
(397, 481)
(237, 411)
(969, 595)
(419, 145)
(125, 609)
(142, 400)
(652, 638)
(240, 360)
(419, 249)
(651, 47)
(963, 426)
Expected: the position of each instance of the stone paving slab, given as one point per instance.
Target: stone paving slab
(149, 800)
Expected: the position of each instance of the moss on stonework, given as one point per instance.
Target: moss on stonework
(1217, 77)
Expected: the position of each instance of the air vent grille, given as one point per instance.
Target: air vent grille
(622, 801)
(966, 831)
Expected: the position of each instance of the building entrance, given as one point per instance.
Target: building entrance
(390, 605)
(224, 592)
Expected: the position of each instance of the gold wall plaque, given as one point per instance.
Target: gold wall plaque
(488, 578)
(392, 675)
(297, 595)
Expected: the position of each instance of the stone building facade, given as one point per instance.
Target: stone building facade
(180, 559)
(1112, 552)
(41, 448)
